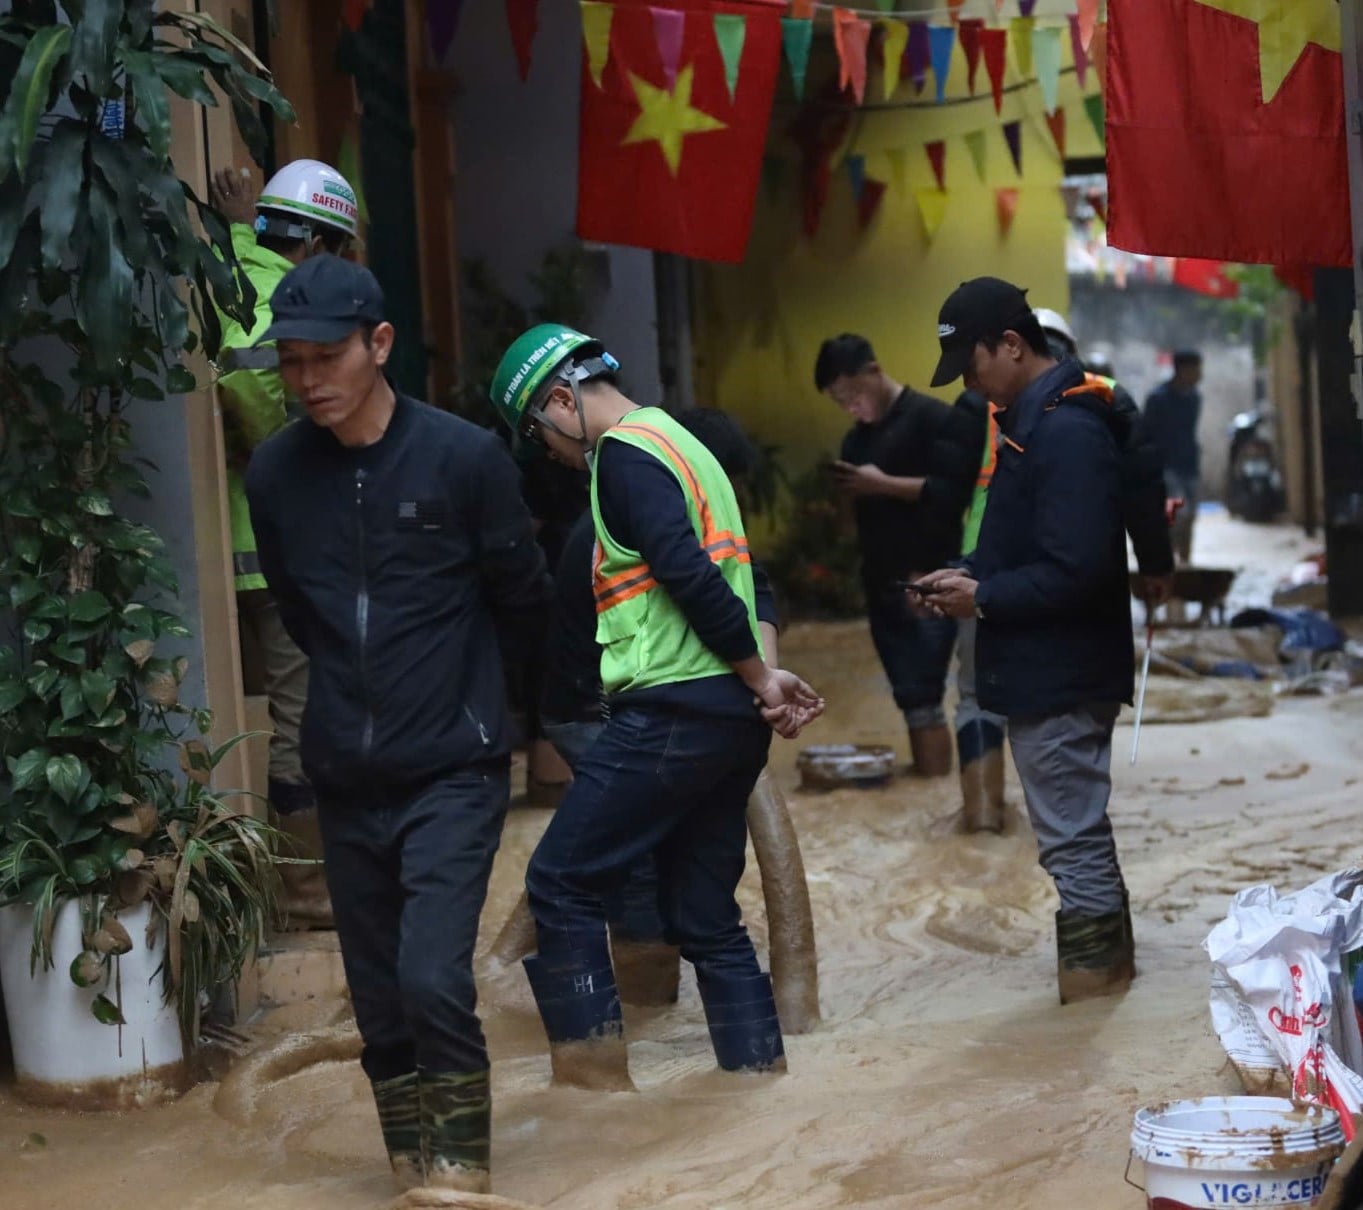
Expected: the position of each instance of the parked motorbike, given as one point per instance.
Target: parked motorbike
(1255, 487)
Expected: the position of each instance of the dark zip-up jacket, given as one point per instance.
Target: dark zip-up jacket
(1055, 632)
(394, 566)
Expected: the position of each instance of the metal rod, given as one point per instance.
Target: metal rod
(1140, 697)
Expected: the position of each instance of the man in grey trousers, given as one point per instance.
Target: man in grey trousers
(1047, 585)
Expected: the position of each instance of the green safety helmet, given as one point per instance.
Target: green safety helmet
(535, 359)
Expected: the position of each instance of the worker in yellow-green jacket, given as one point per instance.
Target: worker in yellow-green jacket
(307, 207)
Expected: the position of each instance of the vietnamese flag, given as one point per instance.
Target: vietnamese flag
(1225, 130)
(676, 166)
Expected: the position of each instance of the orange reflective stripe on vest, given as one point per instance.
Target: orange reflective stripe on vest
(639, 578)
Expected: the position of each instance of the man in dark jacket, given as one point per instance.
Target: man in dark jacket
(1171, 416)
(1048, 586)
(908, 465)
(391, 534)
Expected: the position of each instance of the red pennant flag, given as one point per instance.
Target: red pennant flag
(1088, 21)
(851, 35)
(1006, 203)
(353, 13)
(954, 9)
(872, 193)
(937, 153)
(1272, 111)
(969, 33)
(1056, 121)
(523, 18)
(994, 44)
(1205, 277)
(675, 169)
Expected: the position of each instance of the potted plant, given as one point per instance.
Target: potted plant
(131, 890)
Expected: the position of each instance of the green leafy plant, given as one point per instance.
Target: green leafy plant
(112, 268)
(815, 564)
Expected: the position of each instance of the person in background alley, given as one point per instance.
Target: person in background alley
(1047, 585)
(1171, 415)
(908, 465)
(571, 709)
(691, 707)
(392, 536)
(270, 235)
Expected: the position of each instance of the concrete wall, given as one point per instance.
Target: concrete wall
(516, 176)
(1141, 325)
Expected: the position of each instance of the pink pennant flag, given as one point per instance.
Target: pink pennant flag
(669, 28)
(1088, 21)
(851, 35)
(1081, 58)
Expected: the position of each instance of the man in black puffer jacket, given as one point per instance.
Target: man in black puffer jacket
(1048, 586)
(393, 535)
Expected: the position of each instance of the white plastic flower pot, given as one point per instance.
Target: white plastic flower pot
(64, 1056)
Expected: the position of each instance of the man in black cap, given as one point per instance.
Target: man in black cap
(1048, 586)
(391, 535)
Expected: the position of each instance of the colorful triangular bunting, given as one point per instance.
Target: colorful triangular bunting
(954, 9)
(918, 54)
(994, 44)
(523, 18)
(1026, 7)
(851, 34)
(1006, 204)
(975, 144)
(896, 38)
(1096, 110)
(1088, 21)
(442, 19)
(796, 35)
(1098, 55)
(1012, 132)
(731, 31)
(1080, 50)
(885, 6)
(669, 31)
(970, 43)
(941, 38)
(596, 34)
(932, 209)
(1046, 54)
(872, 193)
(937, 154)
(1056, 121)
(1021, 30)
(353, 14)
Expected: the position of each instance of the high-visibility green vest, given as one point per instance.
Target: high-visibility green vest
(645, 638)
(251, 393)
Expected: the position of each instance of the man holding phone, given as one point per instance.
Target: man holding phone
(1047, 584)
(908, 466)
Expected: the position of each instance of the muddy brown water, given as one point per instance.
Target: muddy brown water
(945, 1073)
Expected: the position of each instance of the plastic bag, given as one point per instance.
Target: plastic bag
(1278, 966)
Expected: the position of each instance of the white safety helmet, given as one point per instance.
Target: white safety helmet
(304, 196)
(1055, 324)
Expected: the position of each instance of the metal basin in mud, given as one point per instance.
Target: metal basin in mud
(830, 766)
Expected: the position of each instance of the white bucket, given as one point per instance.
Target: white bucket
(1235, 1151)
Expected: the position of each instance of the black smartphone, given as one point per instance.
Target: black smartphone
(918, 587)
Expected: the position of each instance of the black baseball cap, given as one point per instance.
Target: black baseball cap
(323, 301)
(983, 306)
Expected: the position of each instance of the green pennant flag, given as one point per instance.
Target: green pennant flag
(975, 143)
(885, 6)
(1093, 106)
(1046, 56)
(796, 35)
(730, 32)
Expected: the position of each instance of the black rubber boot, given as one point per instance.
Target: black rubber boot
(744, 1028)
(579, 1004)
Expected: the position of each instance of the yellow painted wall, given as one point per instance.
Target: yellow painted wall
(759, 325)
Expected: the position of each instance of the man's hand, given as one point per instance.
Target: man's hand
(953, 594)
(232, 192)
(856, 481)
(1156, 590)
(787, 703)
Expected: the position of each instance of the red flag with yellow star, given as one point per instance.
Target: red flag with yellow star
(675, 167)
(1225, 130)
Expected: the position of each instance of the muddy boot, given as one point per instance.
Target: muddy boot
(303, 899)
(930, 748)
(456, 1130)
(579, 1004)
(744, 1028)
(1094, 955)
(399, 1104)
(980, 748)
(648, 972)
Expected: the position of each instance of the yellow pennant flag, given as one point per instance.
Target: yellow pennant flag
(932, 209)
(1020, 34)
(892, 49)
(596, 33)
